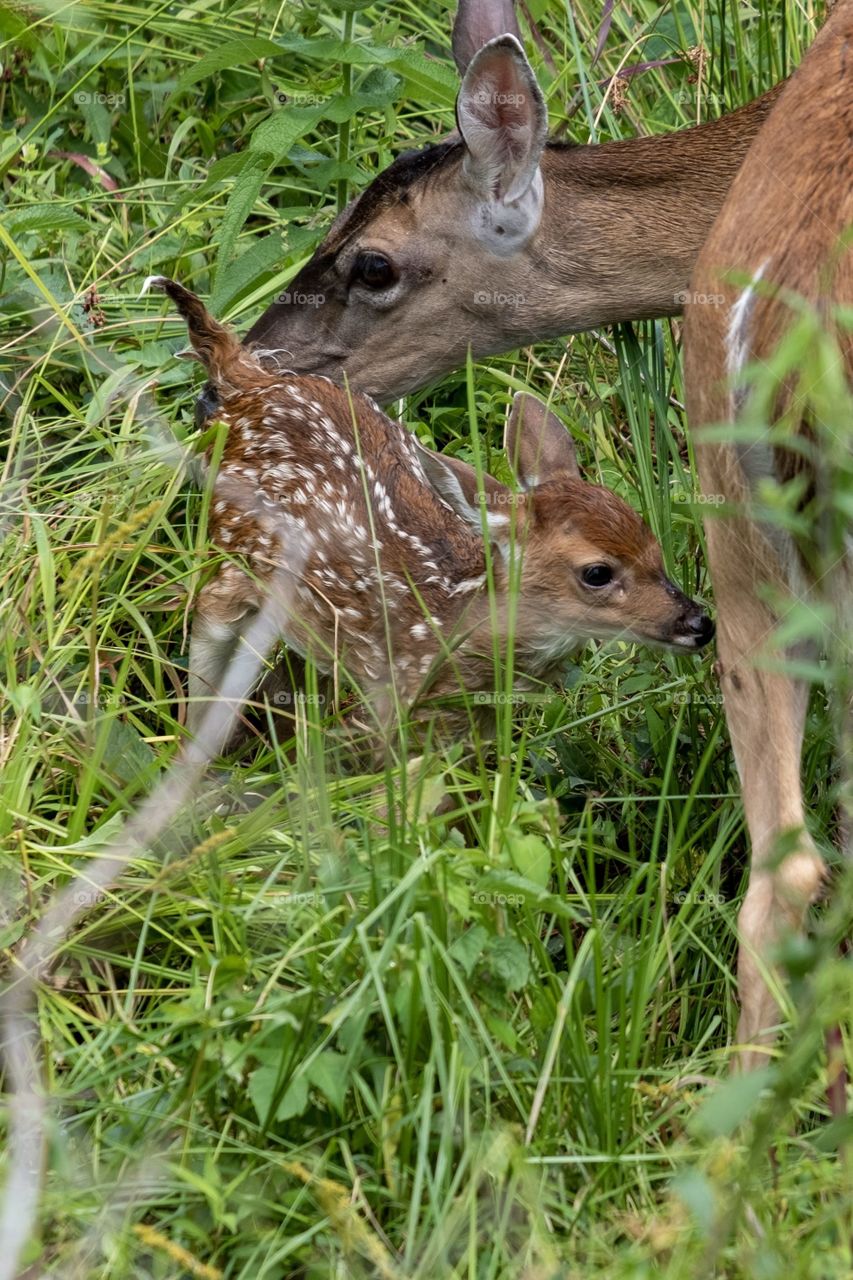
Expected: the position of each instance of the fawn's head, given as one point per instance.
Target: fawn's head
(590, 567)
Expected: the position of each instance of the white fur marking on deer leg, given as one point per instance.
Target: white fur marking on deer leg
(737, 334)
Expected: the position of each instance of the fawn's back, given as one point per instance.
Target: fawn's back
(387, 567)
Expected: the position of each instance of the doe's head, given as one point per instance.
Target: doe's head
(590, 566)
(442, 243)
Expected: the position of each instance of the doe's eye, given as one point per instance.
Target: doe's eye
(597, 575)
(373, 270)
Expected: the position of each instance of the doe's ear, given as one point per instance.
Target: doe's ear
(477, 22)
(537, 443)
(466, 493)
(502, 118)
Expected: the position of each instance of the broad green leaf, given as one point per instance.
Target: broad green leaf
(10, 146)
(225, 167)
(275, 136)
(656, 727)
(509, 961)
(234, 53)
(835, 1135)
(377, 89)
(459, 897)
(501, 1030)
(229, 971)
(263, 1083)
(302, 240)
(468, 948)
(327, 1073)
(427, 79)
(730, 1103)
(14, 28)
(240, 205)
(258, 261)
(101, 835)
(43, 217)
(425, 797)
(295, 1099)
(126, 754)
(98, 118)
(329, 51)
(430, 81)
(531, 857)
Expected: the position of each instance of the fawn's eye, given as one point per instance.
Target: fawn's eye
(597, 575)
(373, 270)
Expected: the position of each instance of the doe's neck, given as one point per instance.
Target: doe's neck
(623, 222)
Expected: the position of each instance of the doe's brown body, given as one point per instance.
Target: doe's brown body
(785, 230)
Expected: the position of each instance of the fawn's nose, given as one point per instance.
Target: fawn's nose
(700, 627)
(693, 627)
(206, 404)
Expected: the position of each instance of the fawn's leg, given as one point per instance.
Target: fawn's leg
(766, 716)
(278, 698)
(213, 644)
(224, 609)
(281, 690)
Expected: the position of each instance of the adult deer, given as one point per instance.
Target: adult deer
(782, 230)
(391, 587)
(498, 237)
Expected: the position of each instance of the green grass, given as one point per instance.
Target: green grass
(289, 1041)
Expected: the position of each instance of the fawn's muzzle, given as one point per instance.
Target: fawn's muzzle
(694, 629)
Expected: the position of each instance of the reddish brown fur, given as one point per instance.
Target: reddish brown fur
(786, 214)
(239, 523)
(568, 514)
(390, 586)
(600, 517)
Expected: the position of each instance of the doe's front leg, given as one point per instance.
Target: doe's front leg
(766, 713)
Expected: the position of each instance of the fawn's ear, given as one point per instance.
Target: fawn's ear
(537, 443)
(466, 493)
(501, 115)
